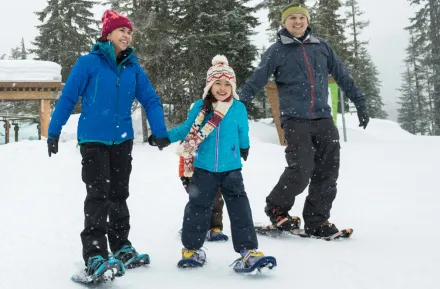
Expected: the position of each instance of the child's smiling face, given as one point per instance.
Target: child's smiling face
(221, 89)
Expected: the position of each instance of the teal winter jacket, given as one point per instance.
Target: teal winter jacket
(220, 151)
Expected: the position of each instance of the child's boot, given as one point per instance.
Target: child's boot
(253, 262)
(216, 234)
(192, 258)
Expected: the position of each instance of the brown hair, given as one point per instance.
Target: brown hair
(208, 100)
(102, 39)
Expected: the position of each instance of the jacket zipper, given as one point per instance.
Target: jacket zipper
(312, 82)
(217, 138)
(96, 88)
(116, 105)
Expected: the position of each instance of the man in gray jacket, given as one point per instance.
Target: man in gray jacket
(300, 63)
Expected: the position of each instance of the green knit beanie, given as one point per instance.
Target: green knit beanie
(295, 8)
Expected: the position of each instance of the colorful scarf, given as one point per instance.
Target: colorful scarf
(197, 134)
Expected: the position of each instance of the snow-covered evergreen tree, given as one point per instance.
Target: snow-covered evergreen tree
(407, 113)
(68, 30)
(425, 26)
(362, 68)
(19, 52)
(210, 27)
(328, 24)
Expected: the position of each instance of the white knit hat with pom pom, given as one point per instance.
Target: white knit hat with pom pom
(220, 69)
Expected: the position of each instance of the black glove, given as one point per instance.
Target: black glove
(363, 116)
(52, 144)
(185, 182)
(158, 142)
(244, 153)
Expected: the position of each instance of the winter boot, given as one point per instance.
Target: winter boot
(253, 261)
(327, 229)
(131, 259)
(282, 220)
(216, 234)
(192, 258)
(99, 268)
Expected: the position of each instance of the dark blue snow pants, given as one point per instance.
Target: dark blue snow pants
(202, 191)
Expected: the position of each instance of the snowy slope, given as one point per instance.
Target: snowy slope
(388, 193)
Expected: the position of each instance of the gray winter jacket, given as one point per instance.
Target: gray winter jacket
(301, 72)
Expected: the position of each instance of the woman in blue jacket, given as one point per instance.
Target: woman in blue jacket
(108, 79)
(215, 136)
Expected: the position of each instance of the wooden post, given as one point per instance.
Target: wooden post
(6, 131)
(16, 128)
(272, 94)
(44, 112)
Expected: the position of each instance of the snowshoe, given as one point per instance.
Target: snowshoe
(253, 262)
(192, 258)
(99, 270)
(131, 259)
(215, 235)
(326, 232)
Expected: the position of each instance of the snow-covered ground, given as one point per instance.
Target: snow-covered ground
(387, 191)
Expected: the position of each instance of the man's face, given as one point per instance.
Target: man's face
(296, 24)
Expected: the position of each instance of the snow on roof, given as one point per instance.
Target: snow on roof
(29, 71)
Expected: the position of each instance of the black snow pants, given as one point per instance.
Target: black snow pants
(202, 191)
(106, 172)
(312, 154)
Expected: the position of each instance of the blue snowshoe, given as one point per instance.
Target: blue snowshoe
(215, 235)
(131, 259)
(100, 270)
(253, 262)
(192, 258)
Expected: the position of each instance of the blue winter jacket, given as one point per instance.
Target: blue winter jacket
(108, 91)
(220, 151)
(301, 72)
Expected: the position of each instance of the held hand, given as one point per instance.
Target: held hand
(244, 153)
(52, 144)
(158, 142)
(363, 116)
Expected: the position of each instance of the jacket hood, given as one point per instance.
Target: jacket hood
(285, 37)
(107, 49)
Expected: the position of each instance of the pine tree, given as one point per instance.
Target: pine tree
(363, 70)
(68, 31)
(367, 79)
(417, 69)
(328, 24)
(20, 52)
(408, 110)
(24, 52)
(424, 31)
(15, 53)
(426, 25)
(225, 29)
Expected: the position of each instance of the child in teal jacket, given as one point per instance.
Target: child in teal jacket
(215, 136)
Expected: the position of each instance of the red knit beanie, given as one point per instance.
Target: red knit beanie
(113, 20)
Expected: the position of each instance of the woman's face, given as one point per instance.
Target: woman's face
(221, 89)
(121, 39)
